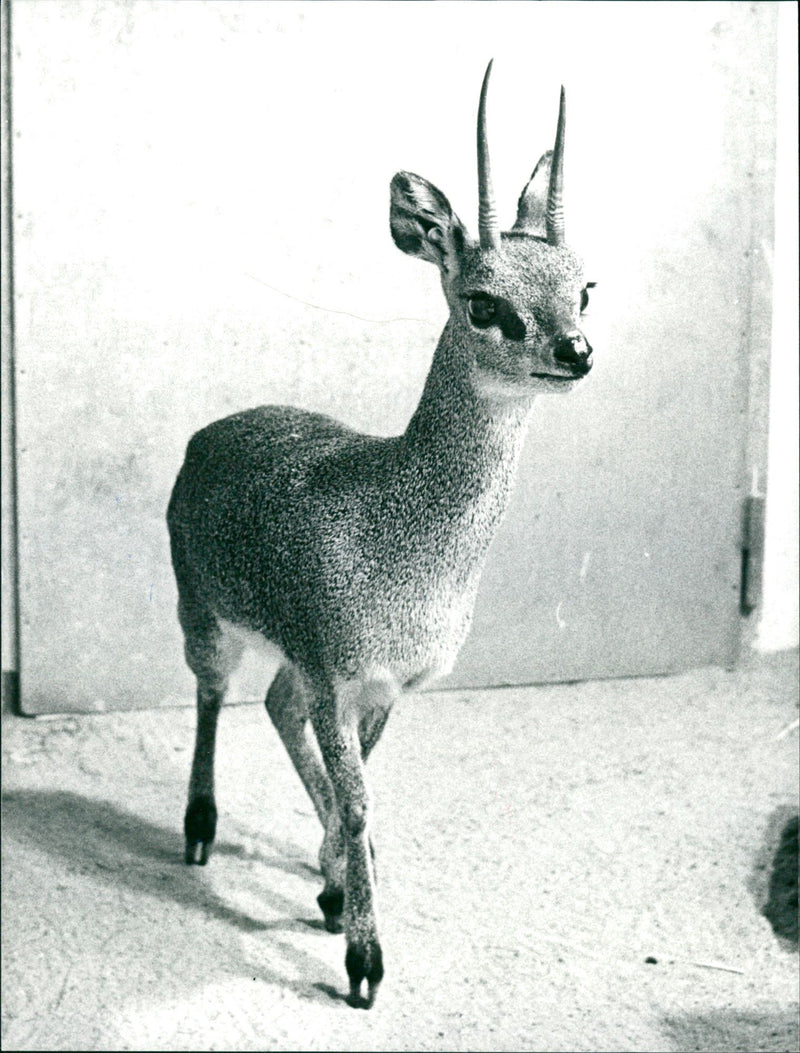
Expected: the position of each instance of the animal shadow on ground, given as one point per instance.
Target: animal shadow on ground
(100, 839)
(728, 1031)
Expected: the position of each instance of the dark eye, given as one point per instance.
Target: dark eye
(482, 310)
(585, 295)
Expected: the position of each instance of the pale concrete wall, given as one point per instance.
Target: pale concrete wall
(779, 619)
(194, 195)
(10, 656)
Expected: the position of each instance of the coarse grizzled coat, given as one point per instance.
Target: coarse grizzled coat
(359, 557)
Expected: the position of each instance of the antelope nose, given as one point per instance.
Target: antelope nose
(572, 349)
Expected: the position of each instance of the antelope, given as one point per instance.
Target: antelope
(358, 557)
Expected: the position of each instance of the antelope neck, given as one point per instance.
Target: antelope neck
(463, 447)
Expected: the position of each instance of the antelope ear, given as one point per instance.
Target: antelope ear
(532, 207)
(423, 223)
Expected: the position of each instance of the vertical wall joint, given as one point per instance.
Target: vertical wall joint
(752, 554)
(10, 558)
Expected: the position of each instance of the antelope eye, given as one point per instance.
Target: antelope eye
(482, 310)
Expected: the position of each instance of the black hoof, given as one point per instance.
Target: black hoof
(331, 903)
(196, 852)
(364, 963)
(199, 826)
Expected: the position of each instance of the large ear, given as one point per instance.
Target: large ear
(532, 207)
(423, 223)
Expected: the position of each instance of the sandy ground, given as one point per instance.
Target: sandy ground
(576, 867)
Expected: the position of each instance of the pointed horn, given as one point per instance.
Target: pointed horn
(554, 219)
(487, 216)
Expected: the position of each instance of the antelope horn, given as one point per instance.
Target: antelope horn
(488, 229)
(554, 218)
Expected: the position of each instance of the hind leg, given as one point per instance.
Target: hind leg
(287, 705)
(333, 854)
(212, 657)
(347, 717)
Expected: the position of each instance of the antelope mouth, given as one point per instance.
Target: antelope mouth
(558, 376)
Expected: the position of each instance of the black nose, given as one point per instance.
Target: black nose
(573, 349)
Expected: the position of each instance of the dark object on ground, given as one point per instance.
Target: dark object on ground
(782, 906)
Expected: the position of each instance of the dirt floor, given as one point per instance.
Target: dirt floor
(575, 867)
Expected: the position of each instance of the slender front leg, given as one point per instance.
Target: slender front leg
(336, 716)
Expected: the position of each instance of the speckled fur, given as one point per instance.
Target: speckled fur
(359, 556)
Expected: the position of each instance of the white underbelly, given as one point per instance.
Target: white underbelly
(412, 654)
(239, 636)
